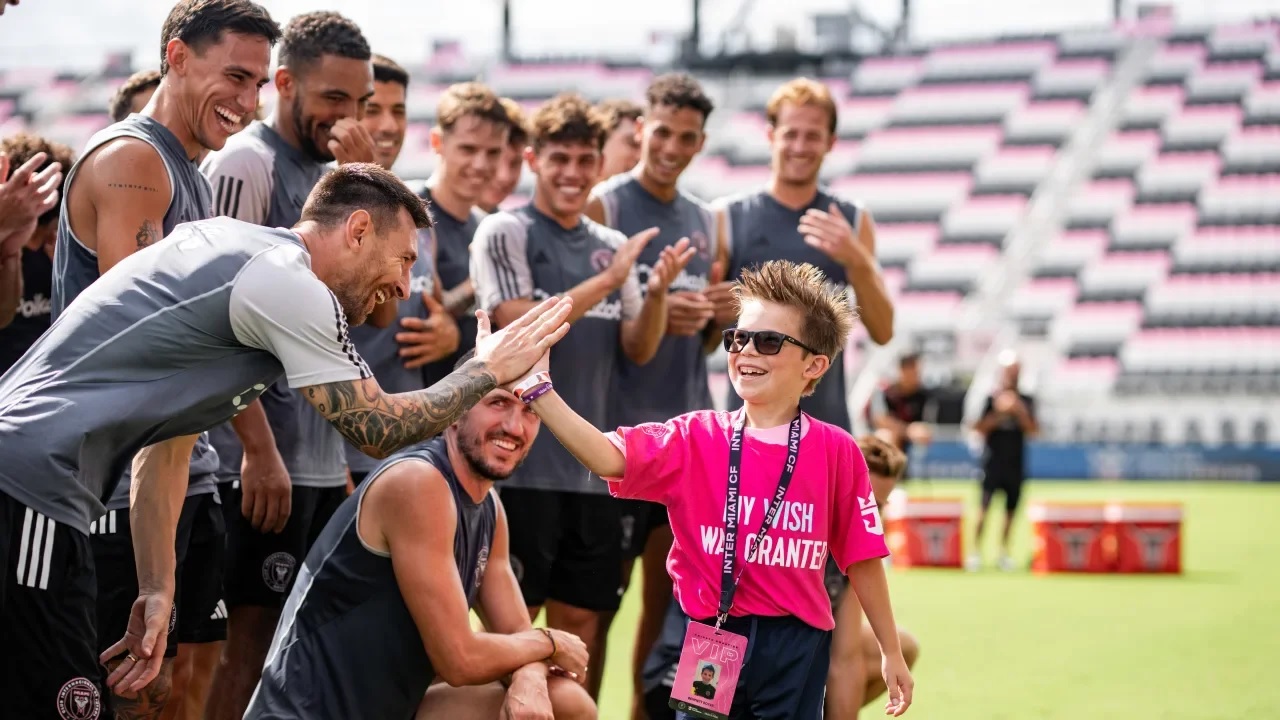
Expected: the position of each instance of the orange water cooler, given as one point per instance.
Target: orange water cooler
(924, 532)
(1070, 537)
(1148, 537)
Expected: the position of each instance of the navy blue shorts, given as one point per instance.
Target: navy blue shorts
(785, 676)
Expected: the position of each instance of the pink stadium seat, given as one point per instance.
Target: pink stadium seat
(901, 242)
(1087, 372)
(1101, 200)
(858, 116)
(879, 74)
(1153, 225)
(1043, 297)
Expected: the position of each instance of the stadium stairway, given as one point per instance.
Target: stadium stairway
(990, 312)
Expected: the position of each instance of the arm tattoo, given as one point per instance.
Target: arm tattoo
(379, 423)
(146, 234)
(131, 186)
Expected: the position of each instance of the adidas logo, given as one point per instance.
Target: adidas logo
(219, 611)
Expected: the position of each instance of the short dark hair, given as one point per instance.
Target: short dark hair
(139, 82)
(568, 118)
(469, 99)
(311, 35)
(200, 23)
(616, 110)
(24, 146)
(519, 133)
(387, 70)
(712, 668)
(679, 90)
(363, 186)
(910, 357)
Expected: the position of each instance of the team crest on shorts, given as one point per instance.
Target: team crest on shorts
(600, 259)
(277, 569)
(79, 699)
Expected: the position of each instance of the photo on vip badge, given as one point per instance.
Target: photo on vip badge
(704, 684)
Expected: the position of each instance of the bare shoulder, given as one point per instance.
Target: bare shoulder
(127, 163)
(406, 493)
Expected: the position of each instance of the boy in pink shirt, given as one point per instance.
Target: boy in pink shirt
(791, 326)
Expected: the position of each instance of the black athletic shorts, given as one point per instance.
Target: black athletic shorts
(784, 674)
(1009, 483)
(639, 518)
(565, 547)
(261, 566)
(199, 612)
(49, 667)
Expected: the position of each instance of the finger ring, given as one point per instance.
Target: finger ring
(130, 656)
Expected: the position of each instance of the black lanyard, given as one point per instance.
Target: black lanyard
(728, 582)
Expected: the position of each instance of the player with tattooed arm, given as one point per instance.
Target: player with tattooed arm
(172, 341)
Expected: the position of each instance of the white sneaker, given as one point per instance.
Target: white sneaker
(1007, 564)
(973, 563)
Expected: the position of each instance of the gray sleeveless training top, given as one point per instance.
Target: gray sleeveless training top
(76, 266)
(346, 645)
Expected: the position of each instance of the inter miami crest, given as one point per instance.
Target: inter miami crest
(601, 259)
(277, 569)
(79, 699)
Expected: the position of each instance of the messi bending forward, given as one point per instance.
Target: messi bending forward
(380, 607)
(171, 341)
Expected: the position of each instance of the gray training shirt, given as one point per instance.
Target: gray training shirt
(523, 254)
(347, 646)
(453, 261)
(259, 178)
(674, 382)
(76, 266)
(762, 229)
(173, 340)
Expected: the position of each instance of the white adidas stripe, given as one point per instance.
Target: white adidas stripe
(105, 525)
(219, 611)
(35, 550)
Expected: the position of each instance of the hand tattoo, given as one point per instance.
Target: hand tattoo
(147, 234)
(379, 423)
(150, 700)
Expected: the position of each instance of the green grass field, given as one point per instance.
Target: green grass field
(1020, 646)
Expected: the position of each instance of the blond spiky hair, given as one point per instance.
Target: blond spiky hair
(826, 314)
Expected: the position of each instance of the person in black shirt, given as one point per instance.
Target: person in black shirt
(1008, 419)
(32, 314)
(706, 687)
(899, 410)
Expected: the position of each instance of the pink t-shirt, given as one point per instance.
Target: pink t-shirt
(829, 508)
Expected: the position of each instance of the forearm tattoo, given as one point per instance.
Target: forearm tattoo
(379, 423)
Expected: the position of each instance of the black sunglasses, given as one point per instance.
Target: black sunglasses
(767, 342)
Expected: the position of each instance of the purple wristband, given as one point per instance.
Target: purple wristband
(535, 392)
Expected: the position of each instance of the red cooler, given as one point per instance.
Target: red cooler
(1148, 537)
(924, 532)
(1070, 538)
